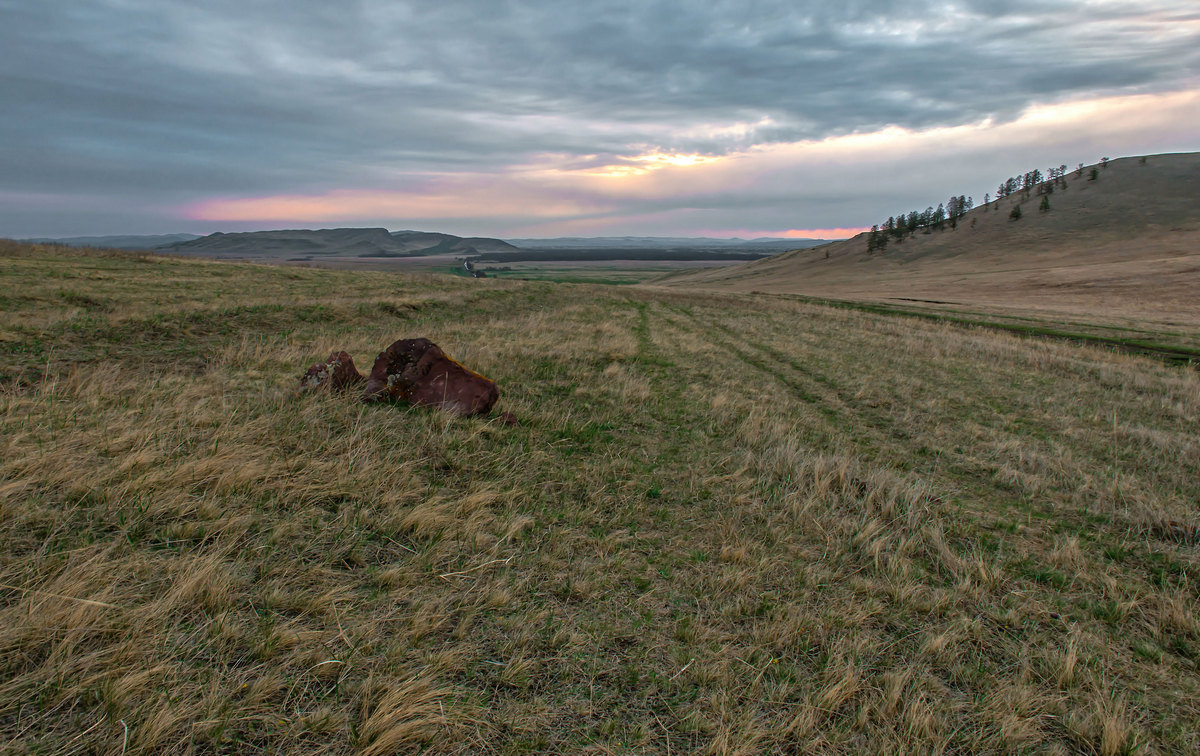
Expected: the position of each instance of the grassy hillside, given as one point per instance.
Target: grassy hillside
(724, 525)
(1126, 243)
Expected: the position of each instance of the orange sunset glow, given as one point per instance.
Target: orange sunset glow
(549, 194)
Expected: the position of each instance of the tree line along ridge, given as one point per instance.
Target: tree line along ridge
(897, 227)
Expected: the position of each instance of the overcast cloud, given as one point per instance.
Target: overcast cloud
(538, 118)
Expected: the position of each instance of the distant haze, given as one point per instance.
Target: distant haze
(764, 118)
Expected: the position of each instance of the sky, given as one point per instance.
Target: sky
(533, 118)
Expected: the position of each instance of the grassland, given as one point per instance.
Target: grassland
(725, 524)
(611, 272)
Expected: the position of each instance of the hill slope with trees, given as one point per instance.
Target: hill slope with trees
(1122, 233)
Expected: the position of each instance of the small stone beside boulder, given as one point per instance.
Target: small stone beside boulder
(336, 373)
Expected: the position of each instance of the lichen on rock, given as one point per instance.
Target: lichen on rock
(336, 374)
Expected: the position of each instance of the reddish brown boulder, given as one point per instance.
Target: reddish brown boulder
(417, 371)
(336, 373)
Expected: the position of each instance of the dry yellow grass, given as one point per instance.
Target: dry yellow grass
(723, 526)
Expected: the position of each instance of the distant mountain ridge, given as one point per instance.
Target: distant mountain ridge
(382, 243)
(335, 242)
(125, 241)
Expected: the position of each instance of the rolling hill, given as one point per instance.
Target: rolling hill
(334, 242)
(1127, 241)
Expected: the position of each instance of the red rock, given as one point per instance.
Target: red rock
(507, 418)
(418, 372)
(336, 373)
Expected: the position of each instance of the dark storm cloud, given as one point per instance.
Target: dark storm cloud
(159, 102)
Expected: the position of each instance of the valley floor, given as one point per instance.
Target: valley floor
(724, 524)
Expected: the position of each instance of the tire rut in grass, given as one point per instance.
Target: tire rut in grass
(874, 435)
(977, 477)
(647, 354)
(766, 360)
(1174, 354)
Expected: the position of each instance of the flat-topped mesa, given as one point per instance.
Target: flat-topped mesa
(336, 373)
(418, 372)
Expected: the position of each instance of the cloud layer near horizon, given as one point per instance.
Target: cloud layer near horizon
(535, 118)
